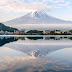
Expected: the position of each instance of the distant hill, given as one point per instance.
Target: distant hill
(6, 28)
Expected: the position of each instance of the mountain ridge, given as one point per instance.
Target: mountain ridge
(37, 17)
(6, 28)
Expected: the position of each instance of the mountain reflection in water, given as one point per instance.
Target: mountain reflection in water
(36, 54)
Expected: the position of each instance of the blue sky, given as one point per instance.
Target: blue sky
(10, 9)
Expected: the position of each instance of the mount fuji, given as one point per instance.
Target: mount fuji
(35, 18)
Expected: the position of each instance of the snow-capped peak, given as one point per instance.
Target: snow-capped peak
(37, 17)
(37, 14)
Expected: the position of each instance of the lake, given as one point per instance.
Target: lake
(36, 53)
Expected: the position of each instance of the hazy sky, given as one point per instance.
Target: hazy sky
(10, 9)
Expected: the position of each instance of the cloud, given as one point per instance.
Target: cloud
(21, 6)
(29, 64)
(54, 1)
(65, 4)
(70, 7)
(30, 5)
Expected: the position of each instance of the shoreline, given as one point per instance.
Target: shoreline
(35, 35)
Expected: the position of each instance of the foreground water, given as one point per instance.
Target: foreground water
(36, 54)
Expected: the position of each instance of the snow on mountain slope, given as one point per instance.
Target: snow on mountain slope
(36, 18)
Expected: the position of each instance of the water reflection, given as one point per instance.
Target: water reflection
(4, 40)
(36, 54)
(45, 38)
(34, 38)
(29, 64)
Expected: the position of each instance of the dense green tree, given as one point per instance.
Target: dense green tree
(52, 32)
(35, 32)
(65, 32)
(6, 28)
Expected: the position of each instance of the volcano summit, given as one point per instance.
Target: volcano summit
(38, 20)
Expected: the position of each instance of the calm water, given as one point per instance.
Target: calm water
(36, 54)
